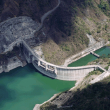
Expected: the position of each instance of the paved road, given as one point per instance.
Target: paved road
(46, 14)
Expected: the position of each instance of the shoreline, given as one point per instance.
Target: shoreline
(80, 55)
(67, 62)
(37, 106)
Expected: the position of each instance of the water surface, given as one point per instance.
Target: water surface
(22, 88)
(85, 60)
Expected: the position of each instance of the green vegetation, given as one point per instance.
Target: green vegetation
(48, 106)
(94, 22)
(84, 3)
(80, 30)
(106, 67)
(106, 26)
(95, 72)
(104, 6)
(94, 97)
(103, 60)
(71, 24)
(108, 55)
(65, 47)
(88, 31)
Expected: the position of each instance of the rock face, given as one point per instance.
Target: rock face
(16, 28)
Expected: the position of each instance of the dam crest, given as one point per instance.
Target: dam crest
(60, 72)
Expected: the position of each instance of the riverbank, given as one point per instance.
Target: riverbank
(79, 82)
(83, 98)
(84, 53)
(60, 100)
(24, 87)
(37, 106)
(60, 103)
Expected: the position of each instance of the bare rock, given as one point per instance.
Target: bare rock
(16, 28)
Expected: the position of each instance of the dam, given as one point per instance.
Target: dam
(46, 68)
(27, 86)
(55, 71)
(60, 72)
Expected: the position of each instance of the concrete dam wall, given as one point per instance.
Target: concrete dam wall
(54, 71)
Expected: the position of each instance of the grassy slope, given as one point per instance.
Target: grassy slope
(96, 96)
(66, 28)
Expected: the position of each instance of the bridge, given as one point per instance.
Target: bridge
(95, 54)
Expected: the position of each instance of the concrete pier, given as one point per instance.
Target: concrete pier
(95, 54)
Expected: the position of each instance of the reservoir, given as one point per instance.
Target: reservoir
(22, 88)
(85, 60)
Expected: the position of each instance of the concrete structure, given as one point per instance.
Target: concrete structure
(95, 54)
(85, 52)
(100, 77)
(51, 70)
(54, 71)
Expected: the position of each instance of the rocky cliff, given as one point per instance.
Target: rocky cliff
(14, 29)
(64, 31)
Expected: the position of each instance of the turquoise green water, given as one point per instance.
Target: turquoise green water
(90, 57)
(104, 50)
(22, 88)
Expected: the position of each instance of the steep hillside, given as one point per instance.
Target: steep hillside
(32, 8)
(64, 31)
(92, 97)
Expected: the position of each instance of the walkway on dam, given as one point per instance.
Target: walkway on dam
(55, 71)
